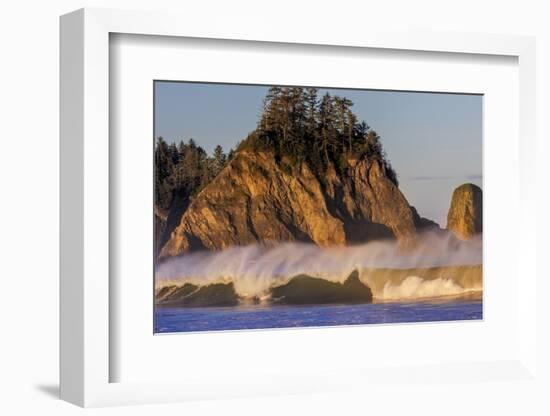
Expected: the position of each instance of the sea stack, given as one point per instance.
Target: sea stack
(465, 213)
(256, 198)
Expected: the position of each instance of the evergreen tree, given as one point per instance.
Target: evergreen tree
(361, 131)
(327, 128)
(311, 109)
(162, 168)
(374, 147)
(220, 159)
(351, 128)
(174, 153)
(182, 146)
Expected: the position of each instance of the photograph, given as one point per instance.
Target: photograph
(283, 206)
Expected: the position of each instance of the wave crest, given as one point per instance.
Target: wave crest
(414, 287)
(255, 269)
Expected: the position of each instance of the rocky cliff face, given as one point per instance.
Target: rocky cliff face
(465, 213)
(257, 199)
(159, 227)
(303, 290)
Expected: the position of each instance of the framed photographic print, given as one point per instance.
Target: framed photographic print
(304, 220)
(290, 214)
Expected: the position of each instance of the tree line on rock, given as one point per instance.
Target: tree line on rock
(296, 125)
(183, 169)
(299, 126)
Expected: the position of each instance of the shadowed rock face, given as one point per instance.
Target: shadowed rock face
(303, 290)
(300, 290)
(257, 199)
(159, 227)
(189, 295)
(465, 213)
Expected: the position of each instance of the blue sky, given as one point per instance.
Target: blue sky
(434, 141)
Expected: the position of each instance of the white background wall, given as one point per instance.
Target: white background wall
(29, 177)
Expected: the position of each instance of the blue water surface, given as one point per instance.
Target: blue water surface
(262, 317)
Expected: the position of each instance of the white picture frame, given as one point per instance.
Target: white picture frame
(86, 265)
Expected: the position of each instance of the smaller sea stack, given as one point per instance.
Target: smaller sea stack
(465, 213)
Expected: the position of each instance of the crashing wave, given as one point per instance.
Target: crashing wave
(414, 287)
(255, 269)
(365, 287)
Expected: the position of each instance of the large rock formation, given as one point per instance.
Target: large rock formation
(256, 198)
(465, 213)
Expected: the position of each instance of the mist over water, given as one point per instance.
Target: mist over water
(255, 269)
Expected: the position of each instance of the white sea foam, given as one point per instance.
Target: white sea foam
(414, 287)
(255, 269)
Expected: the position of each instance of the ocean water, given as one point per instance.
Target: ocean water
(168, 319)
